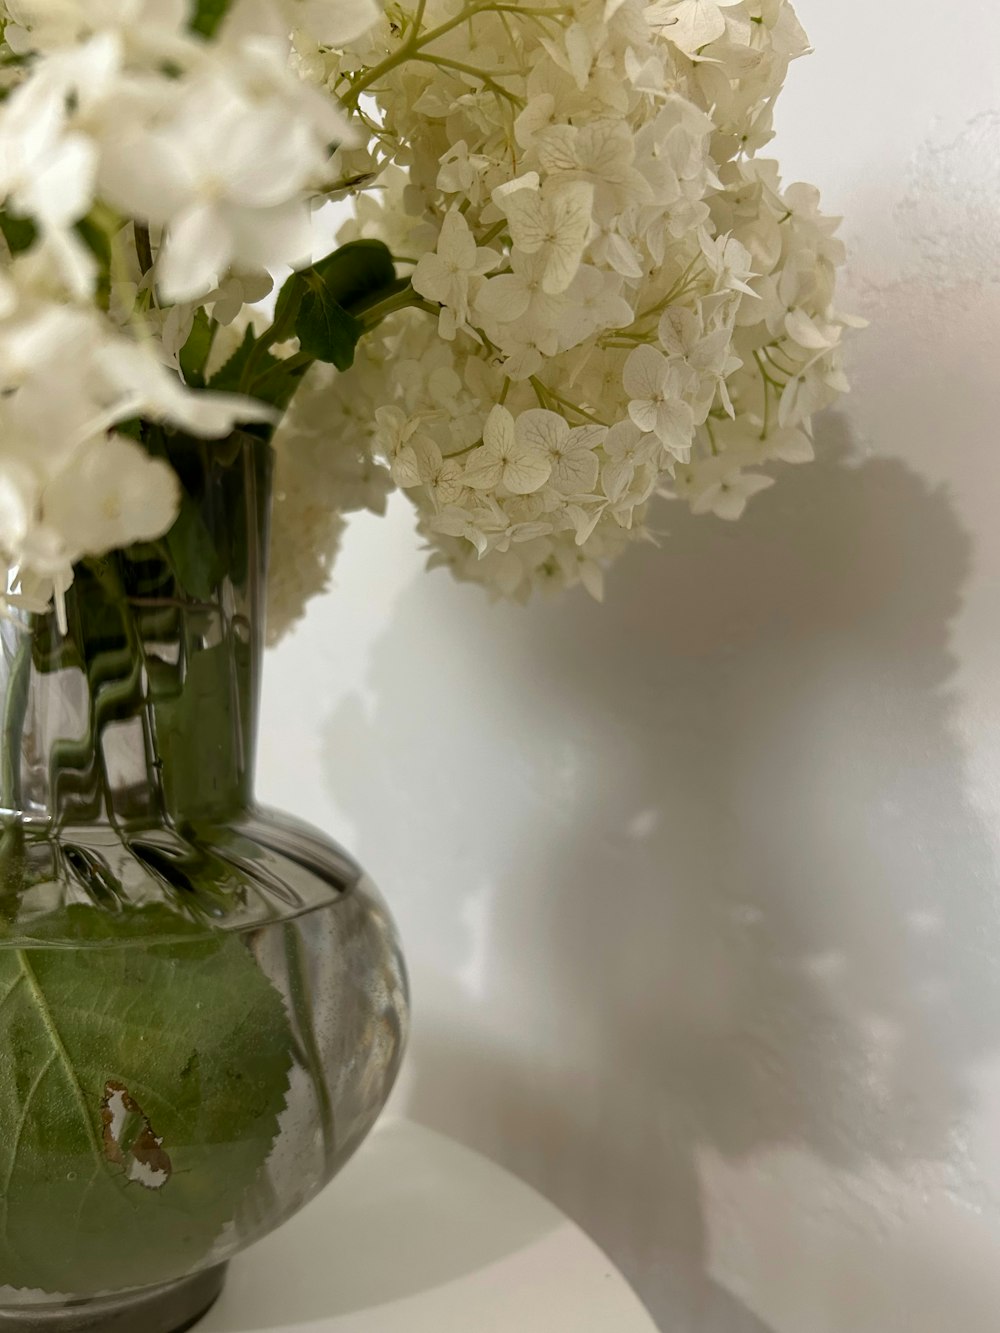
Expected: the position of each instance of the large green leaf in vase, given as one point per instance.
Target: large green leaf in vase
(142, 1074)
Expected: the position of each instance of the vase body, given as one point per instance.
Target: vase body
(202, 1003)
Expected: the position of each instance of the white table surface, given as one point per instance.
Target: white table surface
(421, 1235)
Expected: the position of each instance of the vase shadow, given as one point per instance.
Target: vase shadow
(705, 852)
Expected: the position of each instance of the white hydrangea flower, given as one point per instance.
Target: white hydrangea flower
(571, 453)
(69, 486)
(451, 274)
(225, 174)
(510, 456)
(553, 223)
(627, 299)
(724, 490)
(130, 497)
(655, 386)
(654, 288)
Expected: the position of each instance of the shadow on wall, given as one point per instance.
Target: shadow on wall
(695, 868)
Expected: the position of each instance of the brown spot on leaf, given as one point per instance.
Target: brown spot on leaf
(130, 1140)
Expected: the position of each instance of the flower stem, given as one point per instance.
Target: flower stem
(441, 62)
(413, 45)
(143, 246)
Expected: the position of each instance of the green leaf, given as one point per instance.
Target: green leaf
(19, 233)
(229, 377)
(144, 1063)
(356, 271)
(194, 353)
(333, 290)
(325, 330)
(193, 554)
(98, 242)
(272, 382)
(200, 777)
(207, 16)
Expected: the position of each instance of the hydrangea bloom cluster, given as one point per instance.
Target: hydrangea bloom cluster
(601, 292)
(627, 300)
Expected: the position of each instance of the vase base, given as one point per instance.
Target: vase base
(172, 1308)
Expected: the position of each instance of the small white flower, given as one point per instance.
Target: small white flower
(520, 294)
(690, 24)
(412, 456)
(224, 167)
(726, 495)
(447, 276)
(657, 404)
(462, 173)
(526, 345)
(570, 453)
(600, 153)
(731, 263)
(627, 449)
(506, 459)
(130, 497)
(594, 302)
(553, 222)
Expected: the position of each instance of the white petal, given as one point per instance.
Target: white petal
(576, 472)
(18, 497)
(270, 238)
(269, 158)
(571, 211)
(498, 433)
(62, 190)
(504, 298)
(592, 578)
(587, 437)
(145, 176)
(528, 218)
(542, 430)
(196, 253)
(525, 470)
(431, 279)
(644, 375)
(803, 329)
(339, 23)
(456, 242)
(675, 427)
(130, 497)
(483, 470)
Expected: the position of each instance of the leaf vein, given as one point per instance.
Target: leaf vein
(61, 1052)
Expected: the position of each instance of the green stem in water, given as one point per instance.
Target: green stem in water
(306, 1022)
(13, 723)
(12, 839)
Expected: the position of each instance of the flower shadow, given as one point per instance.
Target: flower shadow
(694, 870)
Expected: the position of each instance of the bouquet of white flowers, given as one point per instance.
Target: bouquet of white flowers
(569, 283)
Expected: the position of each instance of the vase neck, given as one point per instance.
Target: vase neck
(142, 707)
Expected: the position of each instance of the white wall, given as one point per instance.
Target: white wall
(699, 888)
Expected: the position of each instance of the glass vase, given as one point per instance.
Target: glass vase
(202, 1003)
